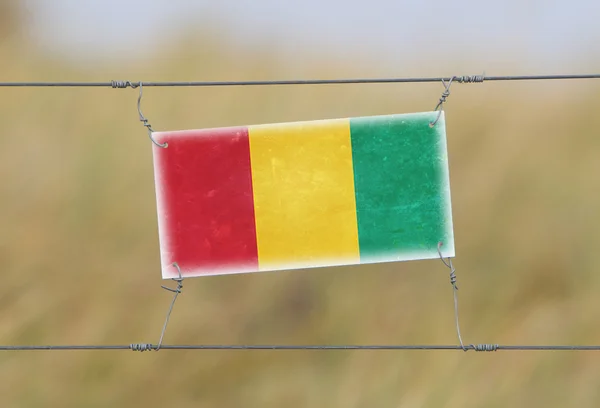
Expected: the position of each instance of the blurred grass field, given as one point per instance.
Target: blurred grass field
(80, 260)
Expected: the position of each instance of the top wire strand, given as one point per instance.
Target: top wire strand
(459, 79)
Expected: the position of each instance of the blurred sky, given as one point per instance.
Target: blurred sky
(544, 34)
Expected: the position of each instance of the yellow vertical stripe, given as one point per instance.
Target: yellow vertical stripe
(303, 186)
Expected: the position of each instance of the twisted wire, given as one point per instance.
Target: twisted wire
(141, 115)
(466, 79)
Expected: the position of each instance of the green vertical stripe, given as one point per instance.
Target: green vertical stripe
(401, 186)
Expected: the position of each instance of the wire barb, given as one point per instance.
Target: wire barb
(177, 291)
(142, 118)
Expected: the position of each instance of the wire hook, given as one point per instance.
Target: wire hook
(443, 98)
(145, 121)
(454, 290)
(177, 291)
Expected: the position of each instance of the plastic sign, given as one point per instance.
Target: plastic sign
(303, 194)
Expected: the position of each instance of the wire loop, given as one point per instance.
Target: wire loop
(455, 292)
(177, 291)
(442, 100)
(465, 79)
(143, 119)
(476, 347)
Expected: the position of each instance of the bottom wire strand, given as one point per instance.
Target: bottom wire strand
(147, 347)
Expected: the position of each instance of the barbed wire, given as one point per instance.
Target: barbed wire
(459, 79)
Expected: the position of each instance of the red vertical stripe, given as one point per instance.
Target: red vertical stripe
(205, 202)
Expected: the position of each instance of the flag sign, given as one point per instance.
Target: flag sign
(303, 194)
